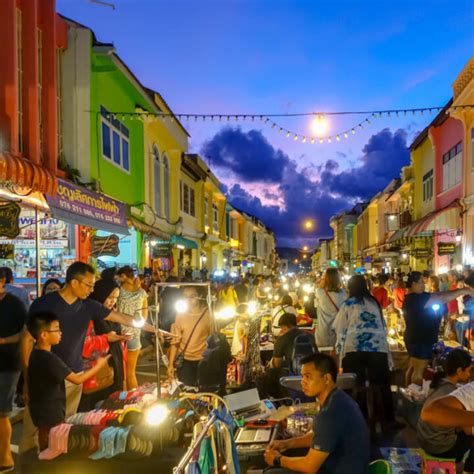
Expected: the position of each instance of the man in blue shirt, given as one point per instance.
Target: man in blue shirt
(339, 442)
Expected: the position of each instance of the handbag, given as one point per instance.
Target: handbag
(96, 346)
(179, 359)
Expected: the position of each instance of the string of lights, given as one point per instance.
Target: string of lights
(320, 120)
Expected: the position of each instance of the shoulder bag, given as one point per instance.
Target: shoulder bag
(179, 359)
(331, 300)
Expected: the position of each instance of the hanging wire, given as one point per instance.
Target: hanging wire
(267, 119)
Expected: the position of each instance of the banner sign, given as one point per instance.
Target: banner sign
(9, 215)
(421, 253)
(162, 250)
(446, 248)
(81, 206)
(108, 245)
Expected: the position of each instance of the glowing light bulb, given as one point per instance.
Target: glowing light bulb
(156, 415)
(226, 313)
(436, 307)
(286, 287)
(252, 308)
(181, 306)
(320, 126)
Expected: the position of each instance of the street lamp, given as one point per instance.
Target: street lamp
(308, 224)
(305, 248)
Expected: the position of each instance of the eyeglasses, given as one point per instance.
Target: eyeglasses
(91, 286)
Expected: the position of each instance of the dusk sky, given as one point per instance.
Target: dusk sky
(263, 57)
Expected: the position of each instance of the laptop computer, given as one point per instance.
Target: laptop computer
(253, 435)
(246, 404)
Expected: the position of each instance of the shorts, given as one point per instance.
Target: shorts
(8, 383)
(134, 344)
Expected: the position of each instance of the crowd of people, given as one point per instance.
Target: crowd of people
(79, 342)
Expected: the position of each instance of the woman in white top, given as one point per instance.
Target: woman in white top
(327, 300)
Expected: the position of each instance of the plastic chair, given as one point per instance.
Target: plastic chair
(430, 463)
(380, 466)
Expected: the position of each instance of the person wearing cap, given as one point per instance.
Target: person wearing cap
(422, 318)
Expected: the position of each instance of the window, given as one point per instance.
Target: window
(206, 211)
(187, 199)
(19, 73)
(166, 187)
(215, 218)
(428, 186)
(233, 229)
(452, 167)
(115, 140)
(156, 179)
(40, 90)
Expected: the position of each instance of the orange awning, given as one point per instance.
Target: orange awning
(24, 173)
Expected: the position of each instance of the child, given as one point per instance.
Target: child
(46, 375)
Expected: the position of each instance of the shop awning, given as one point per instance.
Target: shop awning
(147, 229)
(443, 219)
(80, 206)
(25, 173)
(179, 240)
(397, 235)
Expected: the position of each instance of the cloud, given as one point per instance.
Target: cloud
(248, 155)
(263, 172)
(382, 159)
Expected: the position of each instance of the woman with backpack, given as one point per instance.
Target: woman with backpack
(327, 301)
(362, 342)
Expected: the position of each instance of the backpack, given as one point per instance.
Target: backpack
(303, 345)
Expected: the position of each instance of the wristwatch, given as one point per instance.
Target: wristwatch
(277, 461)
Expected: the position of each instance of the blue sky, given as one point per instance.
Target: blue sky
(291, 56)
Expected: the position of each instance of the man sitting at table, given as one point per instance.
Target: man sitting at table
(339, 442)
(269, 384)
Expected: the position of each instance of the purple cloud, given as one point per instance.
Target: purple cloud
(303, 196)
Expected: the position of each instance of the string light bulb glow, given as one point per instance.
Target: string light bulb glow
(320, 125)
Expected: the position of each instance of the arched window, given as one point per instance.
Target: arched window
(157, 179)
(166, 187)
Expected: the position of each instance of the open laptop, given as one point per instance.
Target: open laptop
(253, 435)
(249, 405)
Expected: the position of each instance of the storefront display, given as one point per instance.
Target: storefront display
(57, 249)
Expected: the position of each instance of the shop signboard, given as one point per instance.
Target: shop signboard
(446, 248)
(9, 219)
(421, 253)
(80, 206)
(50, 227)
(108, 245)
(31, 244)
(162, 250)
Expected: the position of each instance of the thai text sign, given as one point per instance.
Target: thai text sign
(96, 210)
(446, 248)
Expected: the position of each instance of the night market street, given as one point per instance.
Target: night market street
(236, 237)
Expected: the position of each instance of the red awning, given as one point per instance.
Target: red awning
(443, 219)
(24, 173)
